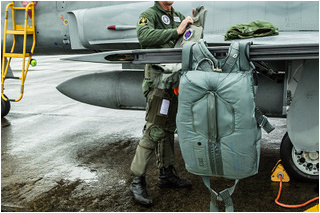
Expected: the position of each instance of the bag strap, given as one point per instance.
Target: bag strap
(244, 60)
(245, 63)
(263, 121)
(231, 57)
(187, 56)
(238, 51)
(204, 59)
(224, 196)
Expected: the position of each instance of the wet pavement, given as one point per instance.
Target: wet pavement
(61, 155)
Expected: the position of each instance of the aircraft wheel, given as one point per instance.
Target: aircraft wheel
(303, 166)
(5, 107)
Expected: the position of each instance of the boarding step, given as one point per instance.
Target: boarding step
(11, 100)
(16, 55)
(19, 32)
(20, 8)
(12, 77)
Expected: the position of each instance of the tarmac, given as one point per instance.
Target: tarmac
(61, 155)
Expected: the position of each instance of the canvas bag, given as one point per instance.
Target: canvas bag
(250, 30)
(216, 120)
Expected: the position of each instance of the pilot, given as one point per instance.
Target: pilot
(158, 27)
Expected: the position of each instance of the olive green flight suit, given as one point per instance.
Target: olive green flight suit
(156, 28)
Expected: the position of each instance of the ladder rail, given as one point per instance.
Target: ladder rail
(13, 27)
(25, 69)
(5, 67)
(33, 29)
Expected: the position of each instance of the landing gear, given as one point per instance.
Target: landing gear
(300, 165)
(5, 107)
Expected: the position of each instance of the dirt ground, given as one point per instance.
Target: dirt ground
(109, 192)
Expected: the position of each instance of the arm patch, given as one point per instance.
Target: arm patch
(143, 21)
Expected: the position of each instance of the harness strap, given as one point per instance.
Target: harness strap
(207, 54)
(262, 121)
(202, 60)
(224, 196)
(244, 60)
(214, 203)
(246, 64)
(231, 58)
(187, 56)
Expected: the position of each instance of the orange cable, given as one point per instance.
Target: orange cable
(291, 206)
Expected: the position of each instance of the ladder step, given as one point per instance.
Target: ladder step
(19, 32)
(15, 55)
(21, 27)
(20, 8)
(12, 77)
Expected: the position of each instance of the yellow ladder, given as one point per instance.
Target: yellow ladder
(17, 30)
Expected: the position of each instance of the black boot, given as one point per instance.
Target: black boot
(138, 190)
(168, 178)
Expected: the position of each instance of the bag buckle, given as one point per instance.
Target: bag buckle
(202, 60)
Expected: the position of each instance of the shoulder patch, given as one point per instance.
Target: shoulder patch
(143, 21)
(188, 34)
(165, 19)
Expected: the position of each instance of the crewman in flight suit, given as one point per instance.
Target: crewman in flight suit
(158, 27)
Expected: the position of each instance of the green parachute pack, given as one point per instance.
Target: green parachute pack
(253, 29)
(218, 124)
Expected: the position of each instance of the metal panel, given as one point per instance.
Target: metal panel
(269, 96)
(303, 114)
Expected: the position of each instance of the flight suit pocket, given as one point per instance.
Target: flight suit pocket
(158, 107)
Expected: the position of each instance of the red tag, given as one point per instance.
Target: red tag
(25, 3)
(176, 90)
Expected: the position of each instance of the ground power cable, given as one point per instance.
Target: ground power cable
(291, 206)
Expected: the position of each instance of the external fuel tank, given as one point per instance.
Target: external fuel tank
(114, 89)
(122, 90)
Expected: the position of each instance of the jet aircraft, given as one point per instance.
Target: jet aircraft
(288, 65)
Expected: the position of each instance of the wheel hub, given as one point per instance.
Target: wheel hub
(308, 162)
(313, 156)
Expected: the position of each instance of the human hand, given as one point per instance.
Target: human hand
(182, 27)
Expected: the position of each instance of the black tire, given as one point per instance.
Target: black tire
(5, 107)
(296, 163)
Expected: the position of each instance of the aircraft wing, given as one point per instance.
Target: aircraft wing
(307, 41)
(115, 44)
(268, 51)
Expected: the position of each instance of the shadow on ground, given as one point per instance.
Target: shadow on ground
(109, 192)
